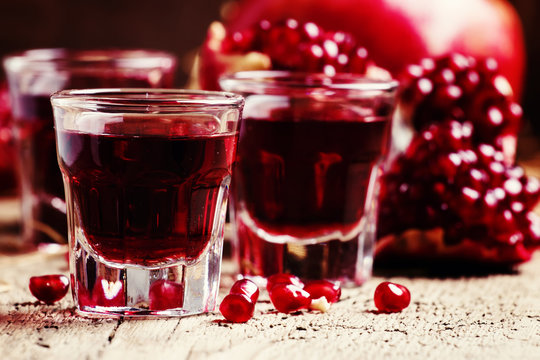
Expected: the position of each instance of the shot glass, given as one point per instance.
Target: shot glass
(310, 152)
(33, 76)
(146, 175)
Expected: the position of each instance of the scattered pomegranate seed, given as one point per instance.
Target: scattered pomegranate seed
(108, 293)
(324, 288)
(165, 294)
(246, 287)
(288, 298)
(391, 297)
(49, 288)
(237, 308)
(282, 278)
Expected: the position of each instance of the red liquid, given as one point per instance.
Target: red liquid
(146, 200)
(305, 179)
(34, 127)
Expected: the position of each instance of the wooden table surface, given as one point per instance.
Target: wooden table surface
(494, 316)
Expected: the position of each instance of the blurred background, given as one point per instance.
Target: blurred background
(179, 26)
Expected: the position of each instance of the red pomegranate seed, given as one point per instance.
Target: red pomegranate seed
(237, 308)
(165, 294)
(49, 288)
(282, 278)
(300, 46)
(288, 298)
(444, 180)
(465, 89)
(391, 297)
(319, 288)
(246, 287)
(108, 293)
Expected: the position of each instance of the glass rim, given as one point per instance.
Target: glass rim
(63, 58)
(282, 82)
(144, 100)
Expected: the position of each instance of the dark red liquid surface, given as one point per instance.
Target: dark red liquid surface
(304, 179)
(146, 200)
(308, 172)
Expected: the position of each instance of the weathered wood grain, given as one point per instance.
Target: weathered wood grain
(495, 317)
(468, 317)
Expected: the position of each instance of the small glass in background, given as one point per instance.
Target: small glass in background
(33, 75)
(305, 188)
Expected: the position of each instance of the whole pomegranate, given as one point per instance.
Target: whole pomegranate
(397, 33)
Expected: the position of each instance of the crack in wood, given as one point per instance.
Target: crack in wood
(113, 332)
(173, 330)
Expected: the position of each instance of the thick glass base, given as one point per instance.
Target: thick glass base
(348, 262)
(105, 289)
(335, 251)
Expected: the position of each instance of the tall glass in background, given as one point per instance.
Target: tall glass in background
(305, 190)
(33, 76)
(147, 176)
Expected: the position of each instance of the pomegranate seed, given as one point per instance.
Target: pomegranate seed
(108, 293)
(464, 88)
(275, 279)
(445, 181)
(391, 297)
(246, 287)
(300, 46)
(237, 308)
(49, 288)
(165, 294)
(288, 298)
(319, 288)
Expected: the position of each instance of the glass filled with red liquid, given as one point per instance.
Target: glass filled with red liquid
(305, 191)
(146, 174)
(33, 75)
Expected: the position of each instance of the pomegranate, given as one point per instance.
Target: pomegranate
(323, 288)
(237, 308)
(397, 33)
(165, 294)
(449, 198)
(281, 45)
(391, 297)
(466, 89)
(239, 305)
(49, 288)
(108, 293)
(288, 298)
(246, 287)
(282, 278)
